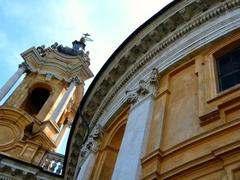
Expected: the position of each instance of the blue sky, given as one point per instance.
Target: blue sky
(28, 23)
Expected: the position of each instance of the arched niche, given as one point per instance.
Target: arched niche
(37, 96)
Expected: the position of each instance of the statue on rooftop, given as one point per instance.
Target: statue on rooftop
(78, 47)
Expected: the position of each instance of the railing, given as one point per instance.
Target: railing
(52, 162)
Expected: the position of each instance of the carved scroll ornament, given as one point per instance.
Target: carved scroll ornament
(93, 141)
(144, 87)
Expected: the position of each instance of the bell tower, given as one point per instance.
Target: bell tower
(34, 118)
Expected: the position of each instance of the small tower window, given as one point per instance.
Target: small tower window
(229, 69)
(35, 100)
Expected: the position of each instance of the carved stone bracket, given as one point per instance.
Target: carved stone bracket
(132, 97)
(93, 142)
(154, 81)
(144, 87)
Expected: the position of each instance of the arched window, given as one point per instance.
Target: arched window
(35, 100)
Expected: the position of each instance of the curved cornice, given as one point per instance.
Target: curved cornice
(16, 120)
(60, 66)
(121, 69)
(149, 41)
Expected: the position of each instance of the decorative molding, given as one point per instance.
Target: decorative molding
(215, 153)
(61, 66)
(132, 97)
(209, 117)
(93, 142)
(134, 94)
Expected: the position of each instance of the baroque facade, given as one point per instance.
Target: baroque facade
(166, 103)
(164, 106)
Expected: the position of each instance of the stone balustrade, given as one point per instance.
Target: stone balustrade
(52, 162)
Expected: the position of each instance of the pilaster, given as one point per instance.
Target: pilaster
(135, 137)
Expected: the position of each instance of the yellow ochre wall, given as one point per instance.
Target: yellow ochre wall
(195, 129)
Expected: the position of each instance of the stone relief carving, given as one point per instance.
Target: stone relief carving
(144, 87)
(154, 81)
(154, 77)
(93, 141)
(132, 97)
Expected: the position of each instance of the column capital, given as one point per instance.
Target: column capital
(76, 80)
(145, 87)
(14, 78)
(25, 67)
(93, 142)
